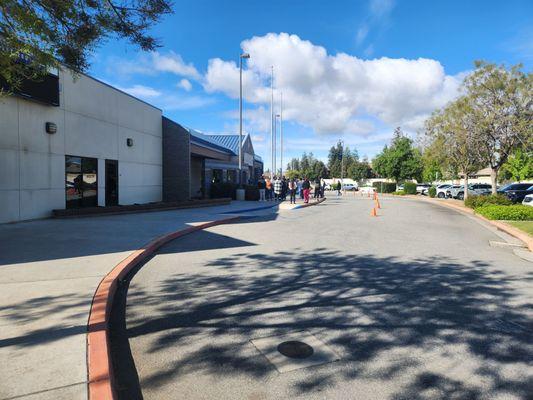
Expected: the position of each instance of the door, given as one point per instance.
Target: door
(111, 182)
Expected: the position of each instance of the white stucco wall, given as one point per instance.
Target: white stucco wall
(93, 120)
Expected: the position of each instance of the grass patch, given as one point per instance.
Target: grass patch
(526, 226)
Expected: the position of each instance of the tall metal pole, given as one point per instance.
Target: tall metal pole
(272, 124)
(342, 165)
(275, 144)
(281, 128)
(244, 55)
(240, 121)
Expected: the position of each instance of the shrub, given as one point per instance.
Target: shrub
(510, 213)
(399, 193)
(409, 188)
(480, 201)
(432, 191)
(223, 189)
(387, 187)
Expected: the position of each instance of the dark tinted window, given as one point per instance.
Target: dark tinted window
(519, 186)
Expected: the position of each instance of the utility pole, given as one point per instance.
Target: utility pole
(272, 123)
(281, 127)
(244, 55)
(342, 164)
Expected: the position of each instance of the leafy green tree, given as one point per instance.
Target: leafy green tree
(519, 166)
(399, 161)
(36, 35)
(360, 170)
(454, 129)
(501, 110)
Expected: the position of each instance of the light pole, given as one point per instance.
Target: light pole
(276, 142)
(281, 129)
(272, 124)
(241, 57)
(342, 164)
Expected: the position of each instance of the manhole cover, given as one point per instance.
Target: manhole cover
(295, 349)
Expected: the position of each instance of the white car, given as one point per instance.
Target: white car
(422, 188)
(350, 186)
(528, 200)
(441, 190)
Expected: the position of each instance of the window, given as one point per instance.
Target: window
(232, 176)
(81, 181)
(217, 176)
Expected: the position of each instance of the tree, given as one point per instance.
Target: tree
(400, 160)
(502, 110)
(36, 35)
(519, 166)
(335, 160)
(360, 170)
(454, 129)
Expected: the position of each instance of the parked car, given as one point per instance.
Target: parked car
(475, 189)
(350, 186)
(528, 200)
(422, 188)
(441, 190)
(400, 187)
(452, 191)
(517, 191)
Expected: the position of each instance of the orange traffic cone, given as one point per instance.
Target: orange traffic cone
(374, 213)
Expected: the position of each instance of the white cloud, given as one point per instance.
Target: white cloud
(333, 93)
(141, 91)
(185, 85)
(173, 63)
(152, 64)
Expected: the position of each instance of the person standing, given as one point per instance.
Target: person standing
(339, 187)
(268, 190)
(317, 189)
(300, 188)
(261, 186)
(277, 188)
(306, 186)
(323, 189)
(284, 188)
(292, 191)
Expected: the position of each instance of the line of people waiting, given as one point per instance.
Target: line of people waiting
(277, 189)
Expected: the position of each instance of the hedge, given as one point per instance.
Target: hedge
(509, 213)
(474, 201)
(399, 193)
(432, 191)
(387, 187)
(409, 188)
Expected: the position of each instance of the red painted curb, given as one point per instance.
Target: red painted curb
(100, 371)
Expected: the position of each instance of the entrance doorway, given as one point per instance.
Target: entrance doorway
(111, 182)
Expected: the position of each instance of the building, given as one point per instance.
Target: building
(215, 159)
(77, 142)
(72, 141)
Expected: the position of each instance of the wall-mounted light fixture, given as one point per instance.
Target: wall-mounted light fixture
(51, 128)
(129, 142)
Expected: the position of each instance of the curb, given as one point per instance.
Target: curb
(310, 204)
(100, 371)
(524, 237)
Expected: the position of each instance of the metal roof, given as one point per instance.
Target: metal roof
(229, 141)
(207, 140)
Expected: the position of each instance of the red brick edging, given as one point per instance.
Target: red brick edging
(100, 372)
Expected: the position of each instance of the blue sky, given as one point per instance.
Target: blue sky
(347, 69)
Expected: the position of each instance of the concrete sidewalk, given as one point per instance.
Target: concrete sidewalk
(49, 271)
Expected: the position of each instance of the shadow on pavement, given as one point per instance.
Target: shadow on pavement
(366, 307)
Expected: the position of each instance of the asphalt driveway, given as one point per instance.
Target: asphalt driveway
(414, 304)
